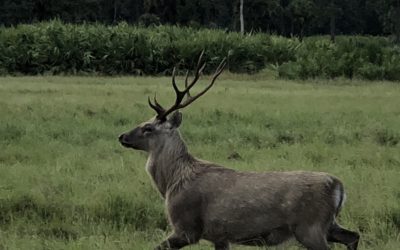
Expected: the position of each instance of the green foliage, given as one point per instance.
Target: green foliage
(281, 49)
(371, 58)
(57, 48)
(287, 18)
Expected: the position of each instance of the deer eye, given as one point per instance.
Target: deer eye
(148, 129)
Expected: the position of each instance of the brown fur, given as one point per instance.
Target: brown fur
(207, 201)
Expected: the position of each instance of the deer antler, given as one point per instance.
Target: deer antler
(162, 113)
(156, 106)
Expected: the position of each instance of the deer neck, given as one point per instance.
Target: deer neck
(170, 165)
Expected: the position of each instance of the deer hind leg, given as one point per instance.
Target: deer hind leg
(346, 237)
(311, 237)
(177, 241)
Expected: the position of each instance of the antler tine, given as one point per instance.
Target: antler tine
(218, 71)
(187, 83)
(162, 113)
(188, 86)
(179, 94)
(199, 69)
(200, 59)
(173, 81)
(220, 68)
(156, 106)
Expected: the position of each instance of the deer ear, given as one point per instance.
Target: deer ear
(175, 119)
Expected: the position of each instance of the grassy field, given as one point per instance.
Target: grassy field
(66, 183)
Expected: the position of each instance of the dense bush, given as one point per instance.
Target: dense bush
(372, 58)
(64, 48)
(57, 48)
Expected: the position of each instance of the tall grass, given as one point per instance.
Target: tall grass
(66, 183)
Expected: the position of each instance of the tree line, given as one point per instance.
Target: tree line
(282, 17)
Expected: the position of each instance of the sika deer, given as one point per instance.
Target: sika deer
(221, 205)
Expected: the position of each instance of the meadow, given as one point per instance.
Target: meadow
(66, 183)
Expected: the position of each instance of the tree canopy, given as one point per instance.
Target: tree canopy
(283, 17)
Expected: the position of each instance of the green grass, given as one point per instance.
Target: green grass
(66, 183)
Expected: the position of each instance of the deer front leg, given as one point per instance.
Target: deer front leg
(176, 241)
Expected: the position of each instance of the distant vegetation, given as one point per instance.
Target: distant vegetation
(57, 48)
(371, 58)
(283, 17)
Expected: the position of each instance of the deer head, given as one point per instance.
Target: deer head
(161, 129)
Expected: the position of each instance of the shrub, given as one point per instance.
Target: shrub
(370, 71)
(54, 47)
(58, 48)
(371, 58)
(289, 70)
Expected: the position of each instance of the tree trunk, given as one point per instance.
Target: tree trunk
(282, 26)
(235, 12)
(241, 17)
(301, 31)
(115, 11)
(396, 23)
(291, 27)
(333, 27)
(332, 21)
